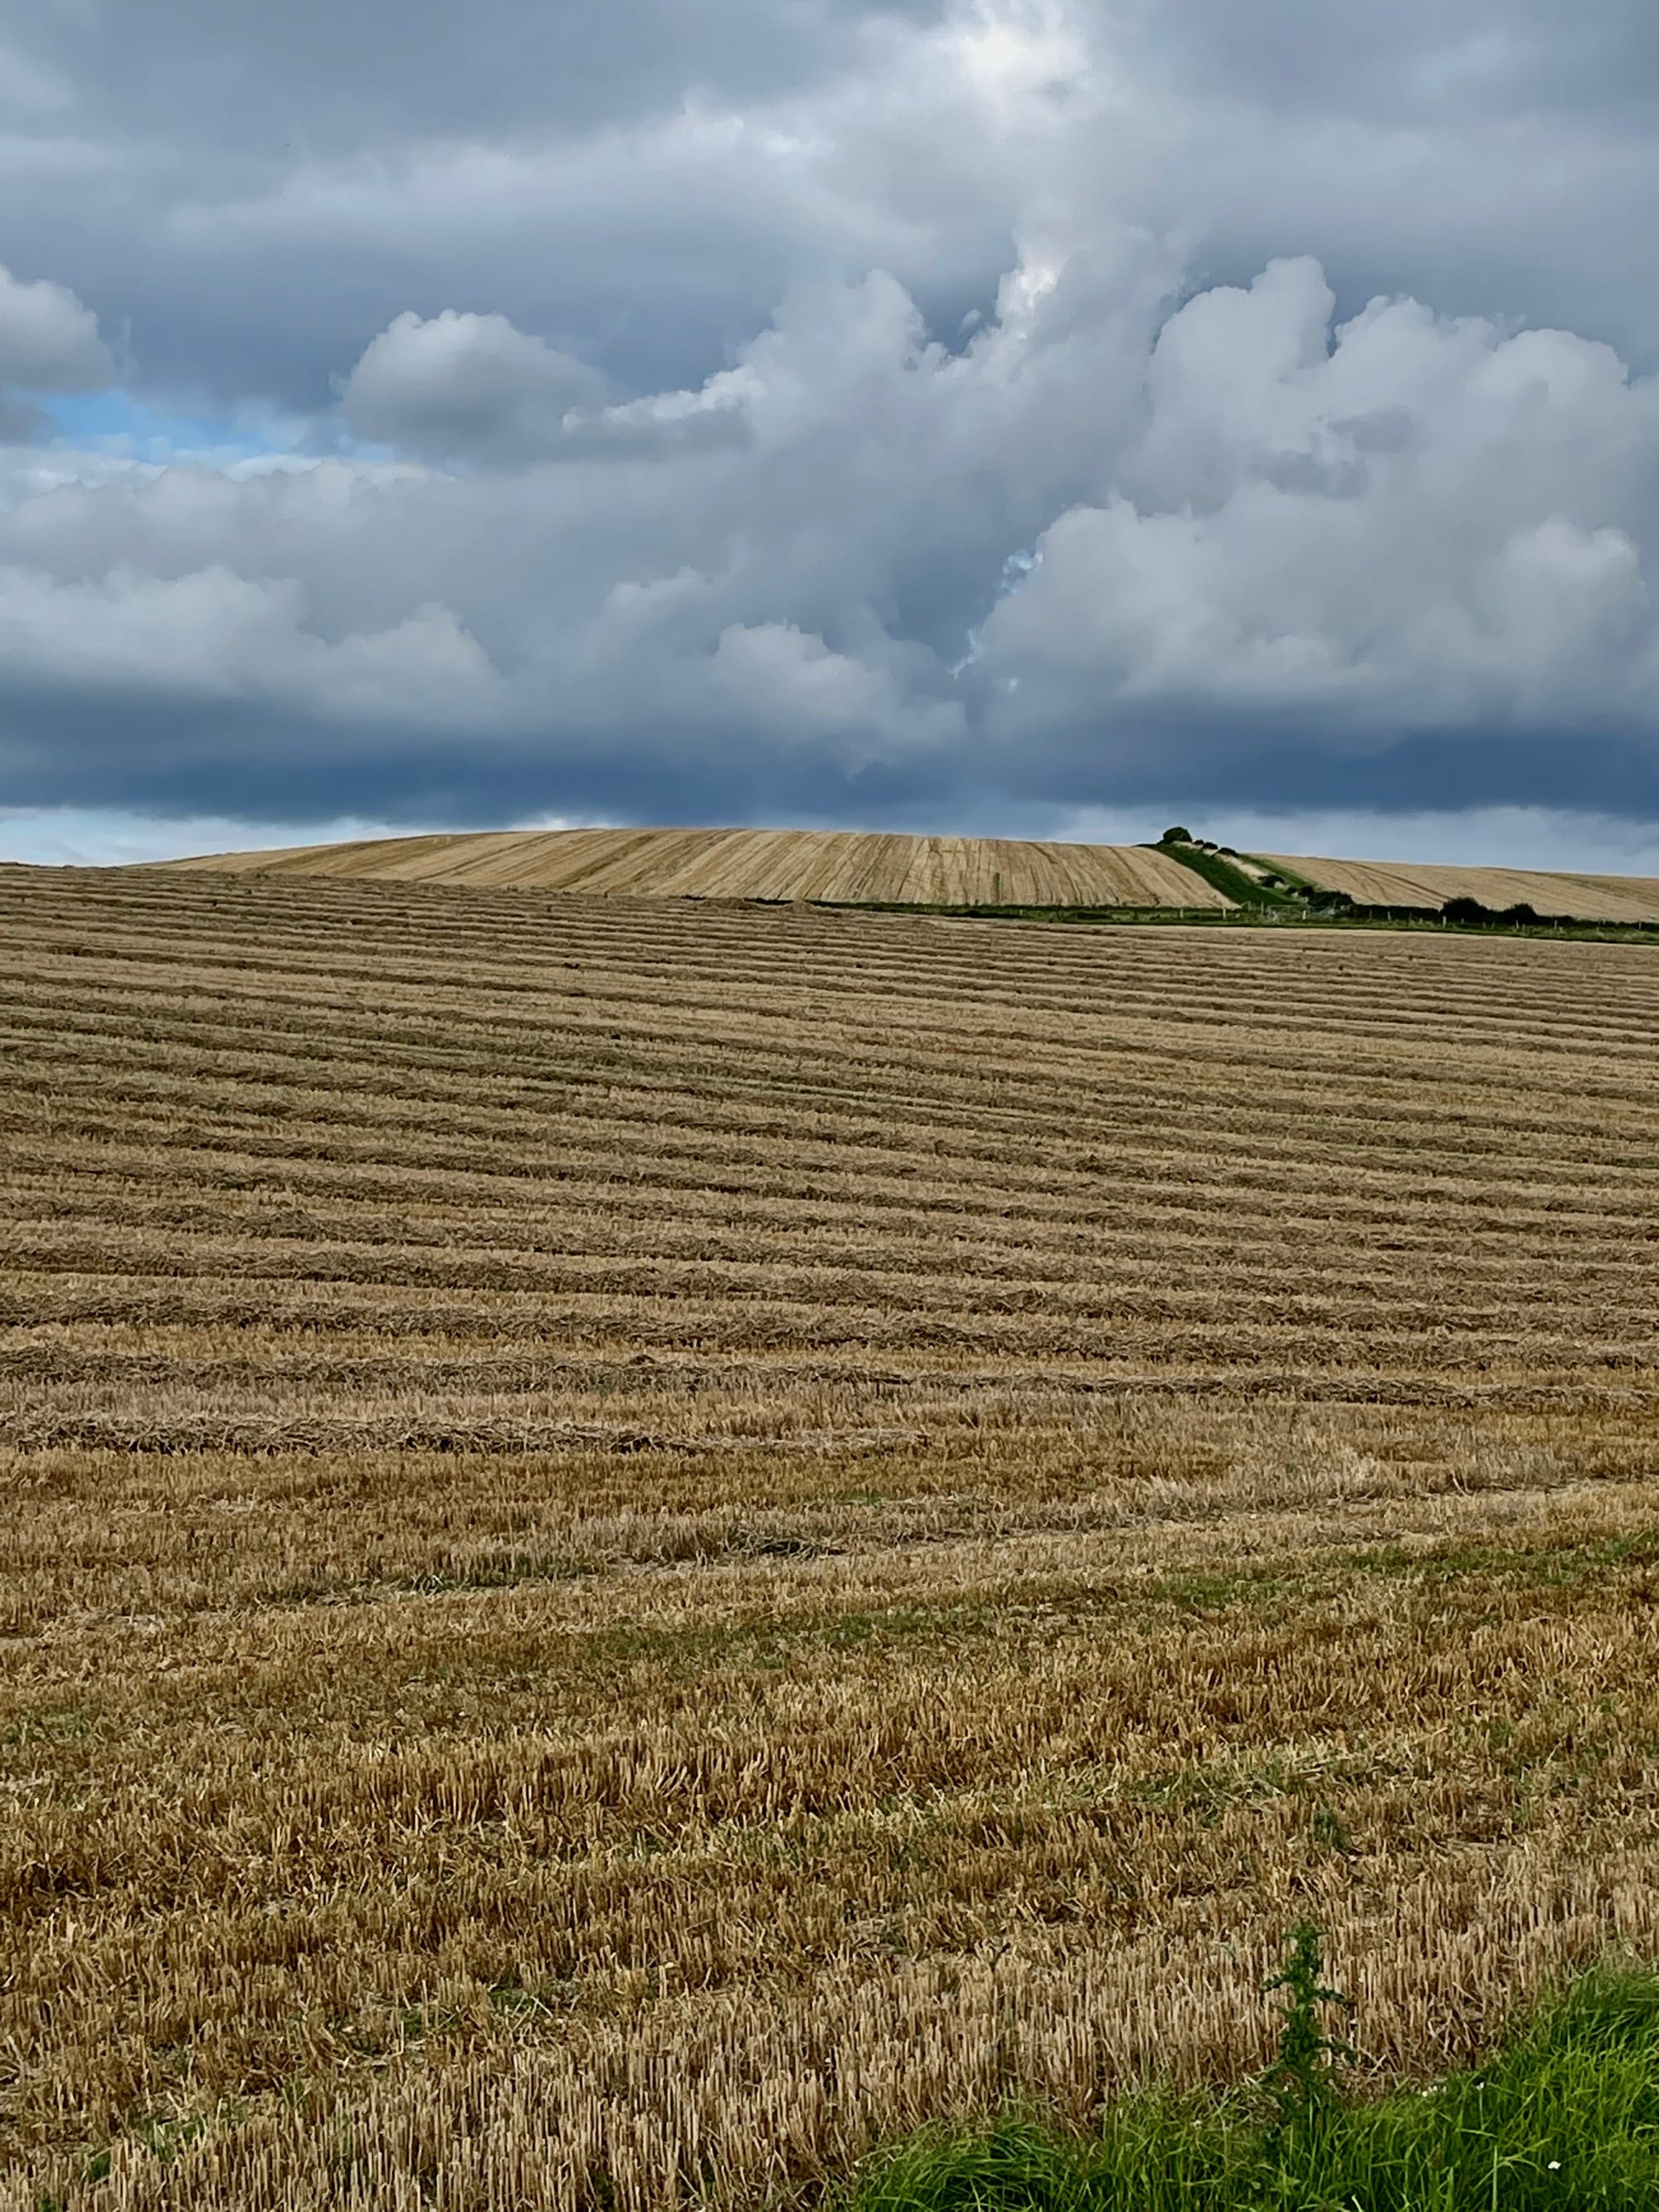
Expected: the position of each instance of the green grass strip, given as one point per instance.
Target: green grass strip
(1564, 2118)
(1233, 883)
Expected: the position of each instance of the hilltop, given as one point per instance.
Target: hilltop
(838, 866)
(854, 867)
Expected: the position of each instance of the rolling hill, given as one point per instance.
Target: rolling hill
(1401, 883)
(837, 866)
(646, 1541)
(853, 867)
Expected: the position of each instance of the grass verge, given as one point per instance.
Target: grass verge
(1234, 883)
(1265, 912)
(1564, 2116)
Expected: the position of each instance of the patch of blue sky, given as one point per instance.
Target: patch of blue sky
(120, 426)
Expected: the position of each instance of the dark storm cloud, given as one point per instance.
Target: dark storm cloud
(309, 74)
(643, 461)
(255, 201)
(1413, 61)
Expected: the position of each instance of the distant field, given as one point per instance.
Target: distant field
(645, 1542)
(848, 867)
(1391, 882)
(833, 864)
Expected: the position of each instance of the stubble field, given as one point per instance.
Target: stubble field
(835, 866)
(645, 1543)
(1390, 883)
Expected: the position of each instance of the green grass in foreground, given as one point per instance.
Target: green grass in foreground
(1566, 2115)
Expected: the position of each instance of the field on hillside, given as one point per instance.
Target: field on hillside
(1399, 883)
(849, 867)
(842, 865)
(645, 1543)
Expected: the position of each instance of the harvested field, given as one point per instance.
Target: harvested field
(645, 1542)
(833, 864)
(1395, 883)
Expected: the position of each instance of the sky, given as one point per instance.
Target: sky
(1039, 416)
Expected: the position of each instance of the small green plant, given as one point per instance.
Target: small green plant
(1176, 837)
(1302, 2080)
(1330, 1832)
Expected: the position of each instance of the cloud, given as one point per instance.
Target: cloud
(462, 387)
(772, 679)
(837, 408)
(598, 589)
(648, 179)
(210, 635)
(466, 387)
(49, 342)
(1409, 524)
(1106, 537)
(91, 836)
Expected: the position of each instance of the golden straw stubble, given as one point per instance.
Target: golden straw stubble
(647, 1542)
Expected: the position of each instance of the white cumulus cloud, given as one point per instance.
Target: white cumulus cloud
(1405, 522)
